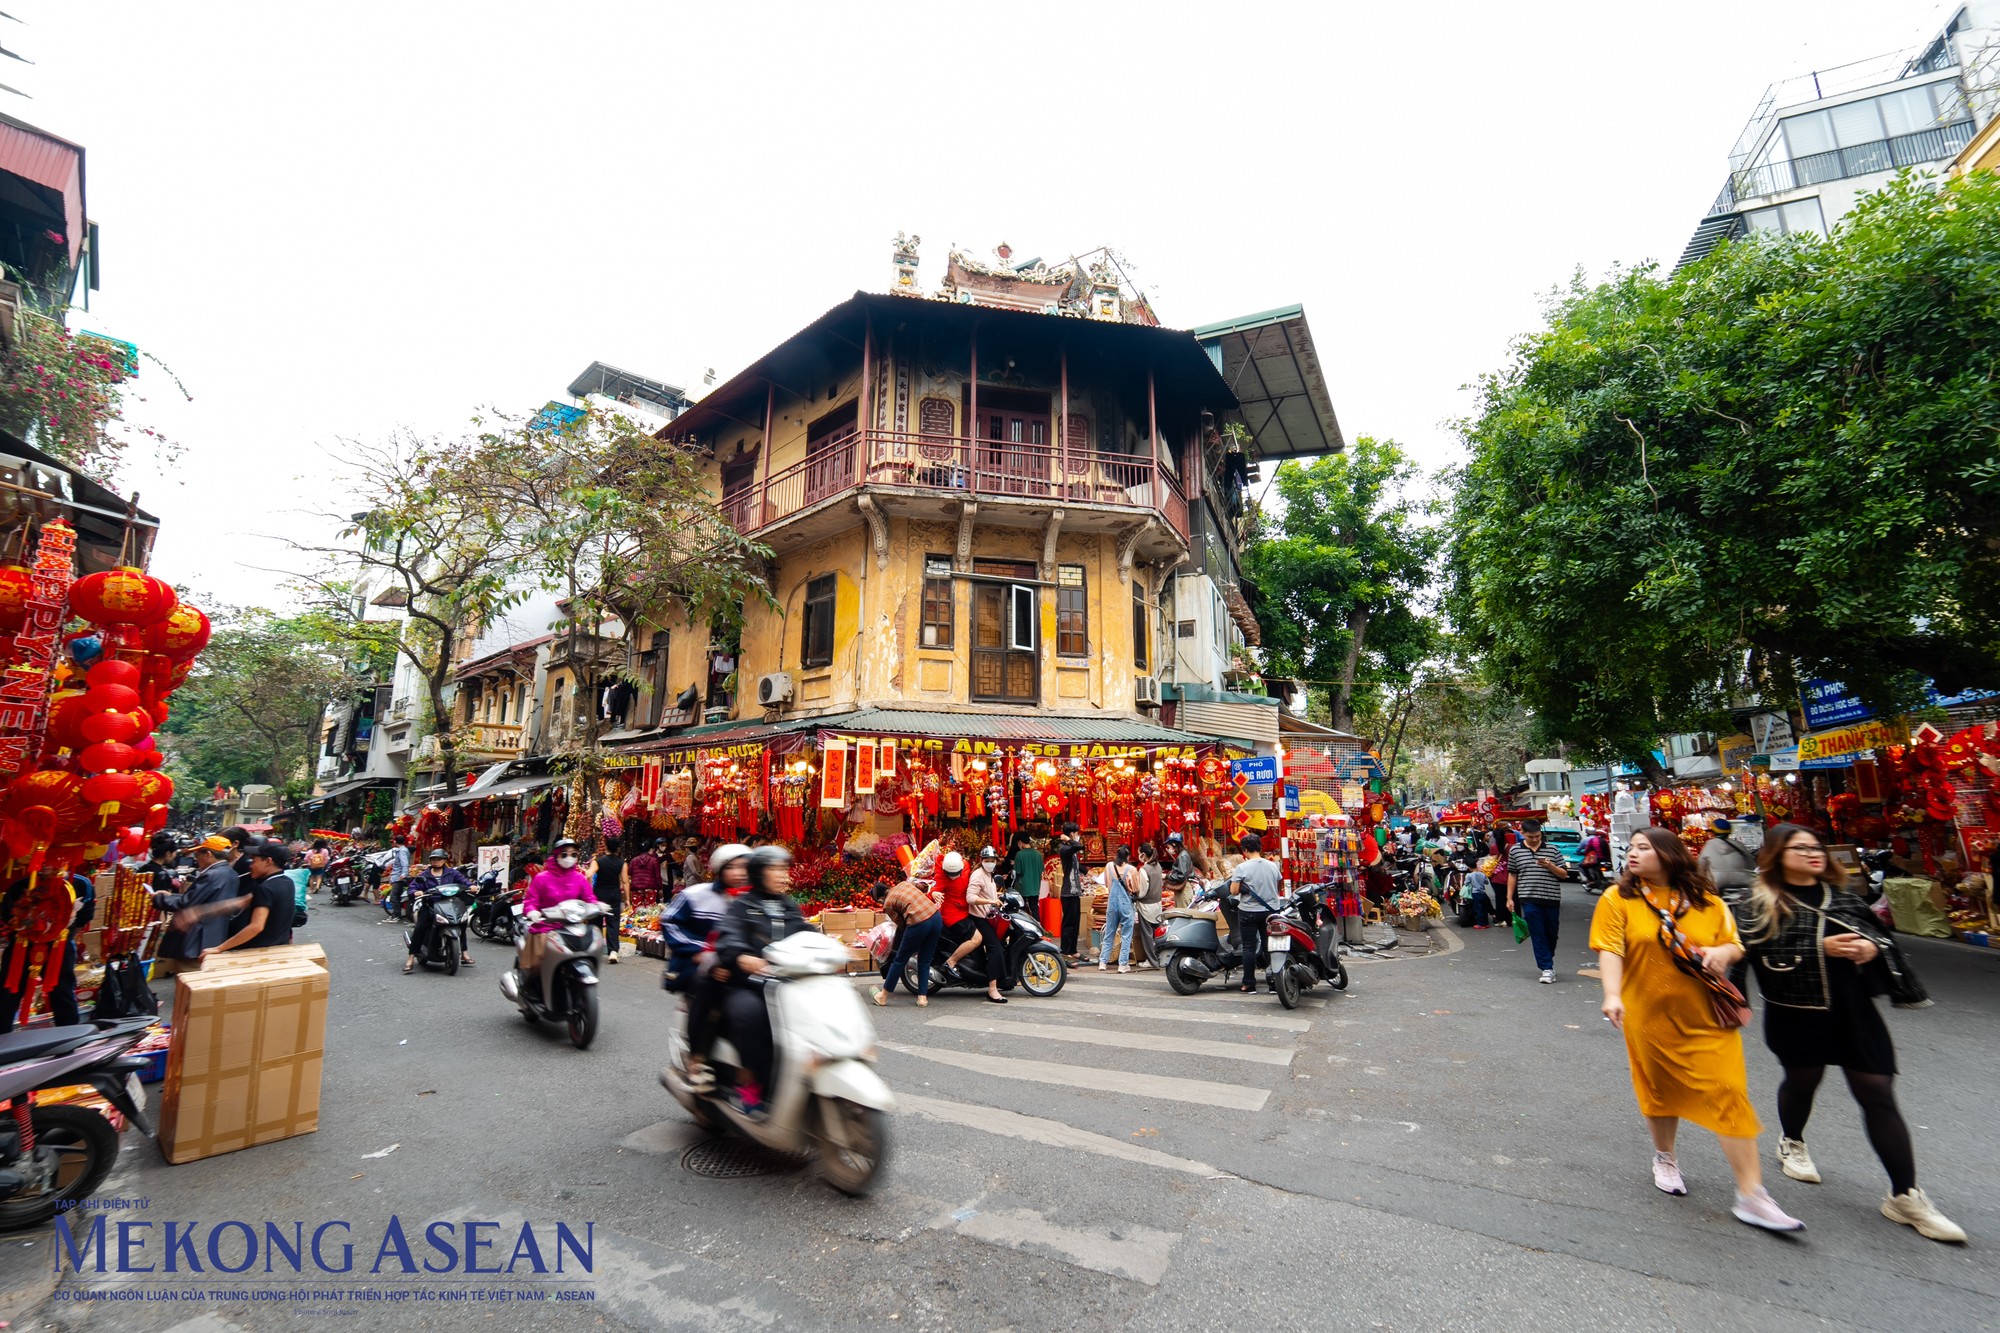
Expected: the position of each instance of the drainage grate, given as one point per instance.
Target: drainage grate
(724, 1159)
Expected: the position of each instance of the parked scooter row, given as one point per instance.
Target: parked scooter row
(1300, 948)
(53, 1157)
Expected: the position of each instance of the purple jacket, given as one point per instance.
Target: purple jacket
(555, 885)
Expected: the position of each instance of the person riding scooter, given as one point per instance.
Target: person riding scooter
(688, 924)
(969, 903)
(560, 881)
(764, 914)
(436, 874)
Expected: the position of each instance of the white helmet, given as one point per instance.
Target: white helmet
(952, 864)
(723, 856)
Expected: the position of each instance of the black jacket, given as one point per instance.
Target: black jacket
(754, 920)
(1791, 965)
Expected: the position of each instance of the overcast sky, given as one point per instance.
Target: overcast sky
(334, 220)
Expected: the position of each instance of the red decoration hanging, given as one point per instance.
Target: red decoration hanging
(17, 585)
(123, 596)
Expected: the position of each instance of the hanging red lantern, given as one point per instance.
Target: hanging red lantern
(58, 792)
(66, 715)
(112, 789)
(111, 698)
(17, 585)
(148, 759)
(183, 633)
(155, 820)
(134, 842)
(123, 596)
(107, 755)
(111, 671)
(125, 727)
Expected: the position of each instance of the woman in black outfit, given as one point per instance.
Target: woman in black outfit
(608, 882)
(1813, 948)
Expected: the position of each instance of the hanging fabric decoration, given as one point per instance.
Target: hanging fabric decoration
(864, 768)
(833, 775)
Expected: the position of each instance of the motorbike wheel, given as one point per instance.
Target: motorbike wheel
(1288, 988)
(913, 973)
(853, 1144)
(1043, 971)
(85, 1148)
(583, 1018)
(450, 961)
(1339, 978)
(1183, 981)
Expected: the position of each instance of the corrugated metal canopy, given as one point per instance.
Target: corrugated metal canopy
(1269, 363)
(1009, 727)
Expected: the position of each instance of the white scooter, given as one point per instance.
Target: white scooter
(825, 1096)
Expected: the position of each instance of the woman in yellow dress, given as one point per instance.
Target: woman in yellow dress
(1684, 1066)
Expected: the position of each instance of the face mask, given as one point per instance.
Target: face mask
(989, 864)
(566, 862)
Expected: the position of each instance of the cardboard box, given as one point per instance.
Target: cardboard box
(90, 947)
(244, 1066)
(282, 953)
(838, 924)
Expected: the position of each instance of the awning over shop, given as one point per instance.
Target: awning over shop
(499, 791)
(1269, 363)
(1078, 735)
(347, 788)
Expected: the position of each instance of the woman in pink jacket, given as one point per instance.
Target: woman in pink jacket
(561, 880)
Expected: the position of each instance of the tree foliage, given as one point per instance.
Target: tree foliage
(250, 711)
(1339, 581)
(1783, 459)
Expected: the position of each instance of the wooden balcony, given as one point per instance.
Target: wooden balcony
(1043, 476)
(497, 740)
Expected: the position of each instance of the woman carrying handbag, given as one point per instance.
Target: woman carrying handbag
(1664, 945)
(1819, 959)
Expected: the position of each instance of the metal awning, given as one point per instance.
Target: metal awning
(1271, 366)
(499, 791)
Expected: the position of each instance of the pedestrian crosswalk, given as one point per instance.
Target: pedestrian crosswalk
(1119, 1046)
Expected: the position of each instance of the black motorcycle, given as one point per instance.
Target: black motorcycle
(1032, 962)
(347, 877)
(54, 1157)
(493, 916)
(441, 916)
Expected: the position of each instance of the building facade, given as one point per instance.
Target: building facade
(1818, 143)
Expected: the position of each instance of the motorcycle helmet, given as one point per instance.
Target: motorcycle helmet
(437, 854)
(987, 853)
(764, 860)
(723, 856)
(953, 864)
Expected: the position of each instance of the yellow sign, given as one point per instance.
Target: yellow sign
(1844, 741)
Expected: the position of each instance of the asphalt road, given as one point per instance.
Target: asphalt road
(1446, 1145)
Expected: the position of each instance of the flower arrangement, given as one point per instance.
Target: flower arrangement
(1415, 903)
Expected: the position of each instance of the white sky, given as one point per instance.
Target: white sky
(333, 220)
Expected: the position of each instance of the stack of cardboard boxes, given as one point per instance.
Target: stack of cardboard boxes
(846, 927)
(249, 1043)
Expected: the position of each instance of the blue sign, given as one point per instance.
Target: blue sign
(1291, 798)
(1257, 768)
(1828, 704)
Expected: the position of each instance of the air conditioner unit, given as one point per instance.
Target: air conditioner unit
(774, 689)
(1146, 691)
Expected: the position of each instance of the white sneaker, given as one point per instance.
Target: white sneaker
(1103, 966)
(1667, 1174)
(1913, 1208)
(1124, 967)
(1761, 1210)
(1548, 976)
(1796, 1162)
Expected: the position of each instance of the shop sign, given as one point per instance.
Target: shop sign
(1841, 746)
(494, 860)
(693, 755)
(1291, 799)
(1031, 749)
(1735, 752)
(1258, 768)
(1785, 761)
(1828, 703)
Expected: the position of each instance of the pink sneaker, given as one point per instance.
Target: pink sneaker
(1761, 1210)
(1667, 1174)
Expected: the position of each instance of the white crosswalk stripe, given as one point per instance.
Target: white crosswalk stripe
(1129, 1041)
(1179, 1013)
(1151, 1086)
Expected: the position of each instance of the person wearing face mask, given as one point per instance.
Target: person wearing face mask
(969, 902)
(689, 925)
(561, 880)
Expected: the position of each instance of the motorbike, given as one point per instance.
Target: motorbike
(1301, 947)
(347, 877)
(54, 1157)
(825, 1096)
(564, 987)
(446, 909)
(1032, 962)
(493, 911)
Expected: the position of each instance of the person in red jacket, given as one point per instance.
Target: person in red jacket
(954, 878)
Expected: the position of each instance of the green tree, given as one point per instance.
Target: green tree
(1783, 459)
(251, 709)
(1339, 580)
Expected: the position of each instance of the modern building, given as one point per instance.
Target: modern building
(1819, 142)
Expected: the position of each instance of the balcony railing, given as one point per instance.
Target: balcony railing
(1048, 473)
(1937, 144)
(501, 738)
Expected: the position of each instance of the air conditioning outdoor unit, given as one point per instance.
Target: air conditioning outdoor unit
(1146, 691)
(774, 689)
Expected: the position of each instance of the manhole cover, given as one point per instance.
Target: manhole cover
(722, 1159)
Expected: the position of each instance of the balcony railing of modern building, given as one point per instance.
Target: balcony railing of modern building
(959, 466)
(1940, 143)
